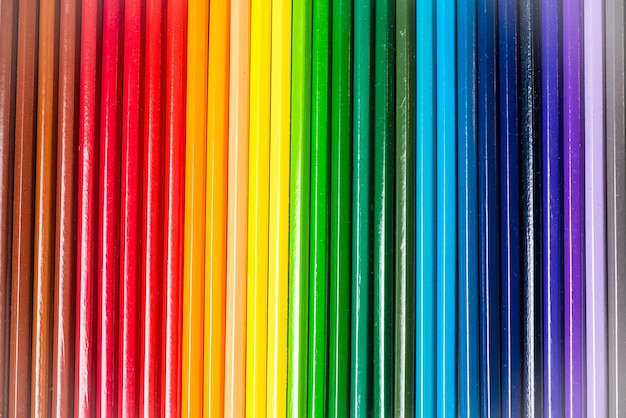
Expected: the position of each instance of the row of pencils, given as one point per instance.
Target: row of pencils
(323, 208)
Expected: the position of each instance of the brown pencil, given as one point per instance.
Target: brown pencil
(23, 211)
(8, 49)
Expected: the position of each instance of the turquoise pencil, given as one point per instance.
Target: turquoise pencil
(446, 208)
(425, 372)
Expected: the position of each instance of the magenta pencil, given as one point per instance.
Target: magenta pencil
(595, 210)
(109, 205)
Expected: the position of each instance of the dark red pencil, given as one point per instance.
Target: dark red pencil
(152, 223)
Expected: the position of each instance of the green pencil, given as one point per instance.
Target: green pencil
(299, 208)
(320, 135)
(339, 358)
(405, 210)
(384, 199)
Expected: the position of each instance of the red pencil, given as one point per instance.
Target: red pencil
(175, 99)
(130, 233)
(109, 204)
(152, 222)
(88, 129)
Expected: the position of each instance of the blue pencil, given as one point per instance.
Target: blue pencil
(552, 210)
(469, 355)
(425, 373)
(446, 208)
(488, 211)
(510, 212)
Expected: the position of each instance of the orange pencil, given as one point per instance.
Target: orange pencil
(234, 395)
(216, 215)
(195, 203)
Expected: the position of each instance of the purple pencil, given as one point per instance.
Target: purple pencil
(573, 209)
(595, 214)
(552, 210)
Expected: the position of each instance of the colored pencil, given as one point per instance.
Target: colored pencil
(109, 203)
(45, 204)
(510, 266)
(362, 158)
(299, 216)
(530, 152)
(469, 342)
(616, 209)
(23, 211)
(152, 221)
(278, 266)
(195, 203)
(404, 356)
(66, 192)
(552, 222)
(258, 207)
(175, 98)
(573, 210)
(217, 204)
(129, 376)
(236, 267)
(320, 164)
(488, 210)
(425, 212)
(340, 174)
(87, 268)
(595, 211)
(446, 208)
(8, 38)
(384, 199)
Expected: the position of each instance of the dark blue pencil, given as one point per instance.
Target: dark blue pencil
(509, 210)
(488, 210)
(552, 209)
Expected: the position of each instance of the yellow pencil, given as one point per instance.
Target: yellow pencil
(195, 177)
(217, 203)
(279, 209)
(258, 206)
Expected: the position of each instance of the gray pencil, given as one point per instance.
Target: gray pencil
(616, 204)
